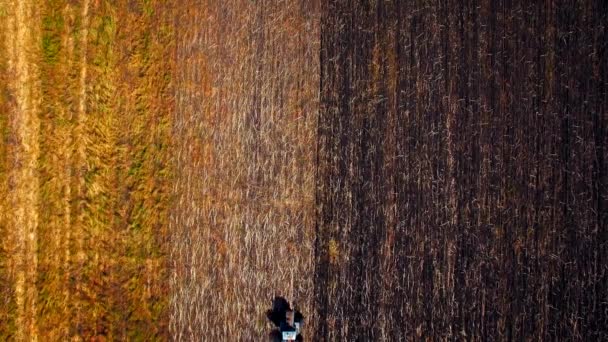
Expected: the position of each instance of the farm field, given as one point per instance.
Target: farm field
(401, 170)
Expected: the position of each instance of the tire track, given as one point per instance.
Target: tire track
(80, 144)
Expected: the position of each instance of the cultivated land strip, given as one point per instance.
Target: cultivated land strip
(20, 39)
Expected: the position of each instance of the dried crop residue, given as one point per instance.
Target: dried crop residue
(242, 227)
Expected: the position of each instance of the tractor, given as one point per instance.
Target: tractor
(287, 321)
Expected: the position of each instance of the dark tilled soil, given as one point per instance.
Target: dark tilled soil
(462, 171)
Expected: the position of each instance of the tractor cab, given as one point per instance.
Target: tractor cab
(290, 328)
(288, 321)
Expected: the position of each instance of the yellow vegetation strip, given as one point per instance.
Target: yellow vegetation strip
(21, 37)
